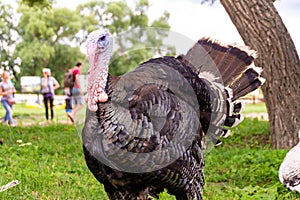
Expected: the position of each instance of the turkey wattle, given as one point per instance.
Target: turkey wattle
(146, 130)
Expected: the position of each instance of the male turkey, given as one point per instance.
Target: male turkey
(289, 171)
(145, 130)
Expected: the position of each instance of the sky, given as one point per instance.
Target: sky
(195, 20)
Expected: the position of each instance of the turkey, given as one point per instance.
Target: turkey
(147, 130)
(289, 171)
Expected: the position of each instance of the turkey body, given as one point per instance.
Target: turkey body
(151, 133)
(181, 175)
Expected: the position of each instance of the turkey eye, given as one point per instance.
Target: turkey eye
(102, 38)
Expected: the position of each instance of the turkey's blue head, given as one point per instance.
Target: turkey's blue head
(99, 50)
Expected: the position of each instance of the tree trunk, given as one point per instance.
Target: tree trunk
(262, 29)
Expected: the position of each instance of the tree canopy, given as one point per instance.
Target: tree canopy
(8, 38)
(46, 39)
(129, 26)
(45, 36)
(38, 3)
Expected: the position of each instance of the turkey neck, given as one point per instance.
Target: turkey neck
(98, 72)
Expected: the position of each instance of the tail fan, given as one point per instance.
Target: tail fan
(249, 81)
(238, 107)
(235, 69)
(231, 61)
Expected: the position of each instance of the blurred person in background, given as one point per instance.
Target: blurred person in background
(68, 107)
(7, 91)
(77, 93)
(49, 84)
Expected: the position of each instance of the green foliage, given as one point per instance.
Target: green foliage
(8, 37)
(7, 29)
(44, 33)
(135, 40)
(51, 37)
(64, 57)
(38, 3)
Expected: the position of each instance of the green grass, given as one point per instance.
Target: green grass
(33, 115)
(245, 167)
(255, 108)
(53, 167)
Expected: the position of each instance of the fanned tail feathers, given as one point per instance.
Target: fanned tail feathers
(238, 73)
(235, 65)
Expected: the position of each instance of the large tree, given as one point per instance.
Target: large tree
(262, 29)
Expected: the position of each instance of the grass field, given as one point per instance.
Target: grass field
(53, 167)
(255, 108)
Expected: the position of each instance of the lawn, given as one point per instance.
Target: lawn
(51, 165)
(255, 108)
